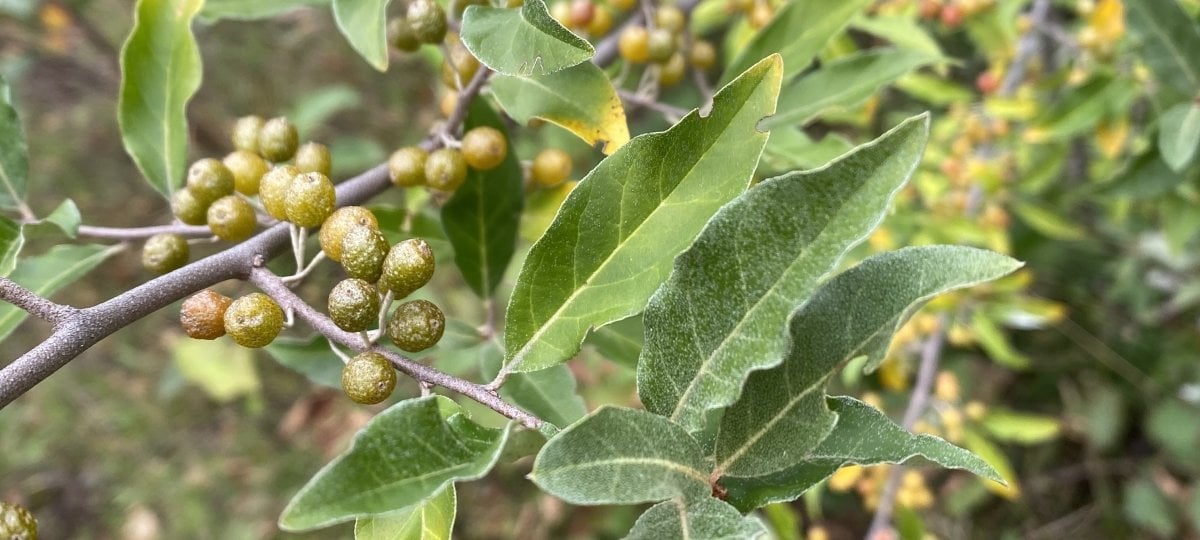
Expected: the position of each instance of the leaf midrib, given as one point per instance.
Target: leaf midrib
(658, 462)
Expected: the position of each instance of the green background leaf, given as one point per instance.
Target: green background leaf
(580, 99)
(431, 519)
(11, 242)
(721, 313)
(48, 272)
(1179, 134)
(310, 357)
(613, 240)
(1171, 41)
(621, 456)
(521, 41)
(252, 9)
(14, 158)
(797, 32)
(701, 519)
(364, 23)
(160, 71)
(220, 367)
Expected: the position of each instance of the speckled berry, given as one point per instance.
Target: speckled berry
(253, 320)
(550, 167)
(209, 179)
(274, 189)
(203, 314)
(278, 139)
(232, 219)
(484, 148)
(428, 21)
(368, 378)
(188, 208)
(310, 200)
(16, 523)
(334, 230)
(445, 170)
(248, 169)
(314, 157)
(164, 253)
(363, 252)
(245, 133)
(417, 325)
(409, 266)
(354, 305)
(406, 166)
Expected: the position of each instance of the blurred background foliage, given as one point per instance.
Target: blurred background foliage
(1077, 378)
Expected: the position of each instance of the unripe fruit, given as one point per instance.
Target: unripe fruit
(402, 36)
(203, 315)
(232, 219)
(952, 16)
(368, 378)
(164, 253)
(274, 189)
(248, 169)
(340, 222)
(188, 208)
(409, 266)
(623, 5)
(670, 18)
(209, 179)
(311, 199)
(582, 13)
(550, 167)
(703, 55)
(448, 103)
(314, 157)
(278, 139)
(363, 251)
(253, 320)
(459, 64)
(406, 166)
(354, 305)
(484, 148)
(672, 72)
(416, 325)
(661, 45)
(561, 11)
(428, 21)
(634, 44)
(445, 170)
(987, 82)
(245, 133)
(16, 523)
(760, 15)
(457, 7)
(601, 23)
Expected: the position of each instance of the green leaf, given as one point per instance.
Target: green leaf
(481, 218)
(252, 9)
(1083, 108)
(862, 435)
(797, 32)
(1179, 135)
(1047, 221)
(65, 219)
(550, 394)
(12, 240)
(45, 274)
(791, 149)
(773, 426)
(1172, 42)
(903, 32)
(1146, 507)
(14, 158)
(1018, 427)
(620, 342)
(160, 71)
(993, 341)
(621, 456)
(405, 454)
(613, 240)
(843, 83)
(364, 23)
(222, 369)
(701, 519)
(580, 99)
(717, 318)
(522, 41)
(431, 519)
(310, 357)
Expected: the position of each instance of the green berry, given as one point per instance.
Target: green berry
(416, 325)
(368, 378)
(484, 148)
(253, 320)
(311, 199)
(188, 208)
(457, 7)
(402, 35)
(248, 169)
(428, 21)
(363, 251)
(16, 523)
(409, 266)
(445, 170)
(203, 314)
(314, 157)
(661, 45)
(550, 167)
(334, 230)
(278, 139)
(232, 219)
(274, 189)
(406, 166)
(245, 133)
(670, 18)
(164, 253)
(458, 65)
(209, 180)
(354, 305)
